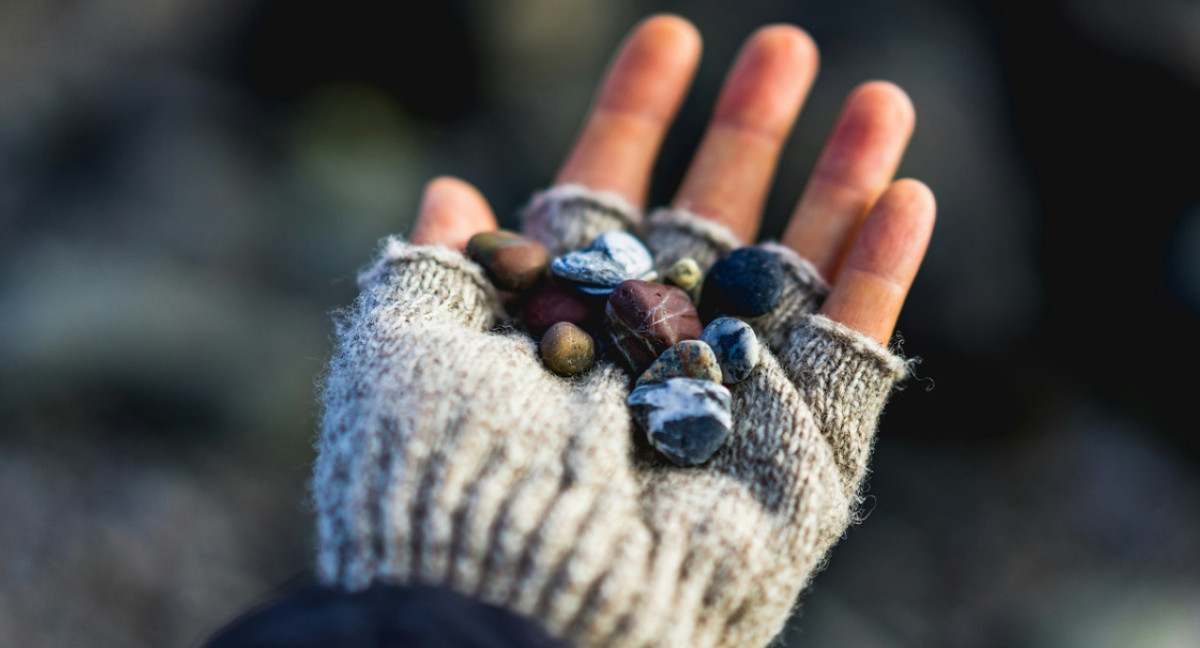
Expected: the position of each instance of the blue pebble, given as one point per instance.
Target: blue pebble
(685, 419)
(613, 257)
(736, 346)
(747, 283)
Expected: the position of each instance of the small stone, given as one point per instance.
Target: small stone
(567, 350)
(512, 261)
(688, 359)
(647, 318)
(736, 346)
(686, 275)
(613, 257)
(685, 419)
(748, 283)
(552, 304)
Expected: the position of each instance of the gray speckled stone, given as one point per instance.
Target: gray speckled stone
(687, 359)
(736, 346)
(685, 419)
(612, 258)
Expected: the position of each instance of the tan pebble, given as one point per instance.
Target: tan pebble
(567, 350)
(687, 359)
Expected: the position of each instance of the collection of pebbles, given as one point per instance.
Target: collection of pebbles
(608, 299)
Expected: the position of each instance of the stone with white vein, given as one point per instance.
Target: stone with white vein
(685, 419)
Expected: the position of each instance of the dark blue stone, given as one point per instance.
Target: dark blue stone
(747, 283)
(685, 419)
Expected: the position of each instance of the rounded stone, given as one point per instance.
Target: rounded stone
(688, 359)
(552, 304)
(686, 275)
(747, 283)
(567, 350)
(645, 319)
(736, 347)
(512, 262)
(613, 257)
(685, 419)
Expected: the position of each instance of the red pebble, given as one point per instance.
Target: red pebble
(552, 304)
(646, 318)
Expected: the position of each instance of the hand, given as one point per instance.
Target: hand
(863, 231)
(450, 456)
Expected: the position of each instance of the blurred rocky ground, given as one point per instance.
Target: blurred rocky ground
(187, 188)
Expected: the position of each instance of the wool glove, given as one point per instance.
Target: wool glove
(448, 455)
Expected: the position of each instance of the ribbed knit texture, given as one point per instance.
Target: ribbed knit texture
(449, 456)
(568, 217)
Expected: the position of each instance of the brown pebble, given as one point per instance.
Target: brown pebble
(567, 350)
(512, 262)
(645, 319)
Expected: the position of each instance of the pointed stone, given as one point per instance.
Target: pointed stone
(688, 359)
(613, 257)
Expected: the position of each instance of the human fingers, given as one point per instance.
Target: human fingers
(638, 98)
(452, 211)
(881, 265)
(855, 167)
(728, 179)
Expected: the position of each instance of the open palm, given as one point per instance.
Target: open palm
(865, 232)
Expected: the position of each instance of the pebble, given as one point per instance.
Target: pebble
(567, 350)
(512, 262)
(685, 419)
(748, 283)
(645, 319)
(736, 347)
(686, 275)
(552, 304)
(688, 359)
(613, 257)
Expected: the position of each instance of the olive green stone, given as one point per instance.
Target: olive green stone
(687, 359)
(567, 350)
(686, 275)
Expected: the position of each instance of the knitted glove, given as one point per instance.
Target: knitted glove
(449, 456)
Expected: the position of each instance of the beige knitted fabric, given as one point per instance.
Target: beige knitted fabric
(449, 456)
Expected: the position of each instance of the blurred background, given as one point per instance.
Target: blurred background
(187, 188)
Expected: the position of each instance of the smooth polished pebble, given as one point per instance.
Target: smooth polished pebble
(567, 350)
(736, 346)
(613, 257)
(685, 419)
(644, 319)
(552, 304)
(686, 275)
(748, 282)
(512, 262)
(688, 359)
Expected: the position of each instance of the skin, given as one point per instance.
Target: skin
(865, 231)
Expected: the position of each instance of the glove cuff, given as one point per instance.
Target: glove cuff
(432, 280)
(676, 233)
(845, 377)
(568, 217)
